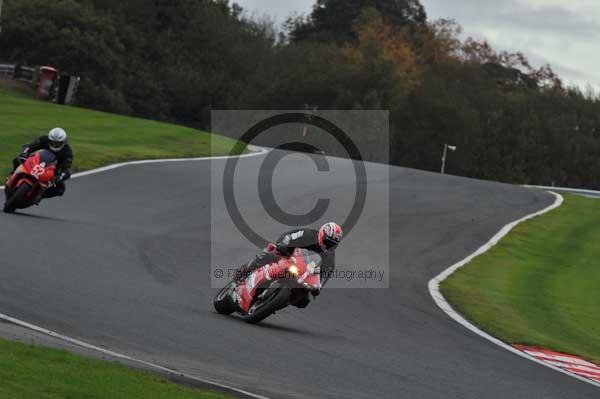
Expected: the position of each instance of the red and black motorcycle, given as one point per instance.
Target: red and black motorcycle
(26, 186)
(287, 281)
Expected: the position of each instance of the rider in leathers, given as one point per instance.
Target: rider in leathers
(323, 241)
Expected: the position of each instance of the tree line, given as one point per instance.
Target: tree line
(176, 60)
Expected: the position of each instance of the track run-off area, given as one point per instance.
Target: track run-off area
(123, 262)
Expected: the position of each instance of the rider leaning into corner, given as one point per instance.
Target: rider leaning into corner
(323, 241)
(55, 141)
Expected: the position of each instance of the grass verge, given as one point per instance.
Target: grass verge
(33, 372)
(539, 285)
(97, 138)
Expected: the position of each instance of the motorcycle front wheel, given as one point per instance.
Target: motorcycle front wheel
(270, 301)
(223, 302)
(18, 197)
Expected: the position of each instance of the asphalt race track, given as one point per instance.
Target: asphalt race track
(123, 262)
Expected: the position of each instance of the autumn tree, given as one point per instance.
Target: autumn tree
(382, 49)
(334, 20)
(438, 42)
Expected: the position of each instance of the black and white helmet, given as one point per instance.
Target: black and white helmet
(57, 138)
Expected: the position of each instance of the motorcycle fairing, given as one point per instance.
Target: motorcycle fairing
(308, 276)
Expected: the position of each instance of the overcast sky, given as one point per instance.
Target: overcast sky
(563, 33)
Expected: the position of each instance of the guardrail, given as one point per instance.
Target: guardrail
(62, 89)
(25, 74)
(18, 72)
(7, 71)
(590, 193)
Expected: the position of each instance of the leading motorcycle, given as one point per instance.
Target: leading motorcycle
(287, 281)
(26, 186)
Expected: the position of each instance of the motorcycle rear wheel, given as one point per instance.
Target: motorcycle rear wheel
(274, 299)
(18, 196)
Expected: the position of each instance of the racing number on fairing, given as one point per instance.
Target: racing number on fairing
(39, 170)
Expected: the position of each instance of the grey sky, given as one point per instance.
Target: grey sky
(565, 34)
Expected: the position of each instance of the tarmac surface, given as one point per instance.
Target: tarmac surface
(123, 261)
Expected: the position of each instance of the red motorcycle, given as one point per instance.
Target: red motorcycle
(27, 184)
(287, 281)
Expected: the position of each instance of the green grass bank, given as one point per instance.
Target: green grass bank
(33, 372)
(540, 285)
(97, 138)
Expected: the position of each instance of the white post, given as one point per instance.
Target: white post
(444, 158)
(311, 110)
(446, 147)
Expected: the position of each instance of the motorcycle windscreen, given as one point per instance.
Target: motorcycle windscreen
(310, 267)
(46, 157)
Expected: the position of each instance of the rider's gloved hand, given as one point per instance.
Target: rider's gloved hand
(265, 257)
(24, 154)
(283, 246)
(283, 249)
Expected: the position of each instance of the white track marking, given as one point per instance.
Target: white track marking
(568, 190)
(571, 363)
(434, 290)
(117, 355)
(125, 357)
(259, 151)
(571, 360)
